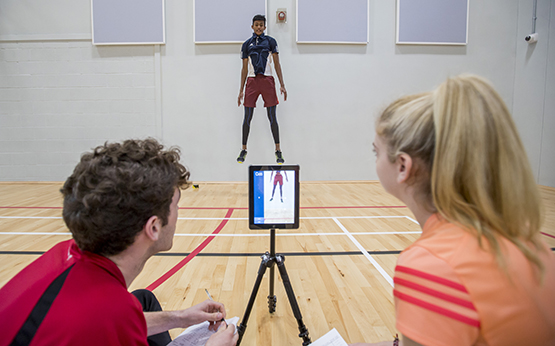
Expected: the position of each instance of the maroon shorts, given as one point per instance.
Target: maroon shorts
(278, 179)
(264, 85)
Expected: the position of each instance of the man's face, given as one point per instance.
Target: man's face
(168, 231)
(258, 27)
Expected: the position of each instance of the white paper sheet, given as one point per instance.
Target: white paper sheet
(331, 338)
(198, 334)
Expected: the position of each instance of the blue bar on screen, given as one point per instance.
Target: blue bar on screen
(258, 197)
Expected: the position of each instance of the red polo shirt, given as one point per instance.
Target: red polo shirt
(93, 306)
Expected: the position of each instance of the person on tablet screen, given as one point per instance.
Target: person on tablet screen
(278, 179)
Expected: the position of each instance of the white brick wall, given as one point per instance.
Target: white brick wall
(59, 99)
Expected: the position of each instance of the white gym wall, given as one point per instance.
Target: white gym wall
(60, 95)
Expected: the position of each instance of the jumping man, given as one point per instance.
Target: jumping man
(258, 54)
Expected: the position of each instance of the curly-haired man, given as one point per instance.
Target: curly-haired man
(120, 205)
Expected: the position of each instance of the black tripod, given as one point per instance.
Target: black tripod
(268, 261)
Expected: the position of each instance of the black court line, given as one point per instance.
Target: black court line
(243, 254)
(22, 252)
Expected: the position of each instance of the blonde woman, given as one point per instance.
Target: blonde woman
(479, 274)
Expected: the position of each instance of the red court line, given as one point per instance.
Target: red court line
(195, 252)
(549, 235)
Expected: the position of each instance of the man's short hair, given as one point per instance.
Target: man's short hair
(116, 188)
(259, 17)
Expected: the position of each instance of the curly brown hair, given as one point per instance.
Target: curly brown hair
(116, 188)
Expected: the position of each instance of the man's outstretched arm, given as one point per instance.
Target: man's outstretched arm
(244, 72)
(277, 66)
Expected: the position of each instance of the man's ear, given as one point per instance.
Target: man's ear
(404, 167)
(153, 227)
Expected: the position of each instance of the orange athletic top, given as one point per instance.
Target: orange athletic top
(450, 291)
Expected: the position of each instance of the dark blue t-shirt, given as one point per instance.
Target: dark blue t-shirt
(259, 50)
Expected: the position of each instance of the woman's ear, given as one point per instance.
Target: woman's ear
(404, 167)
(152, 228)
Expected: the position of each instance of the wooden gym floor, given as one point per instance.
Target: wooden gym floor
(340, 261)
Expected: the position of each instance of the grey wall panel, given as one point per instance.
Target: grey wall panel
(128, 22)
(224, 21)
(37, 19)
(432, 21)
(330, 21)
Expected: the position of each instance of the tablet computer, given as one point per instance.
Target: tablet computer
(274, 197)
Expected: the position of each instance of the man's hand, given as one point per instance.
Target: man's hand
(239, 98)
(208, 310)
(224, 337)
(283, 92)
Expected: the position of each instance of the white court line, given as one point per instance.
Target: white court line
(227, 235)
(233, 235)
(288, 234)
(413, 220)
(366, 254)
(302, 218)
(235, 218)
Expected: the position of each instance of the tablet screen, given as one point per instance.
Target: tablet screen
(274, 197)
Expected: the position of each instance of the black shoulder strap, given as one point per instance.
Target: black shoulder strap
(33, 322)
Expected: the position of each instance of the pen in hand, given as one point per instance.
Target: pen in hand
(210, 297)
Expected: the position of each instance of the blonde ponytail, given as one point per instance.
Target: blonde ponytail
(482, 178)
(476, 172)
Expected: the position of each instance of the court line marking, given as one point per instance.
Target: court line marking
(293, 234)
(224, 221)
(233, 235)
(235, 218)
(189, 257)
(366, 254)
(245, 254)
(238, 254)
(230, 235)
(246, 234)
(549, 235)
(243, 208)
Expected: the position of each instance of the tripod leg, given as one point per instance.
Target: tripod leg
(272, 299)
(292, 300)
(261, 270)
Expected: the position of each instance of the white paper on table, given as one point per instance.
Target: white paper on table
(331, 338)
(198, 334)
